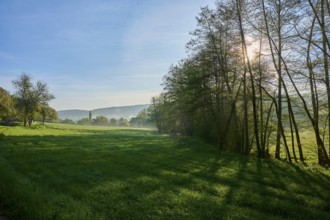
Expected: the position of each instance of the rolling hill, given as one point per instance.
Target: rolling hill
(111, 112)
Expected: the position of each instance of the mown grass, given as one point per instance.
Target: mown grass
(309, 148)
(81, 172)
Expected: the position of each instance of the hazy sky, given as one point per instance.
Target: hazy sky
(95, 53)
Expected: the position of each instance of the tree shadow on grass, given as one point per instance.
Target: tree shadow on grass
(130, 175)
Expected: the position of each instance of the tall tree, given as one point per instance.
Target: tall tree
(7, 108)
(29, 97)
(236, 101)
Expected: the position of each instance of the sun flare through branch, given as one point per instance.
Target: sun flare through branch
(252, 49)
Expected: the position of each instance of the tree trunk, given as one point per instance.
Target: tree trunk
(323, 157)
(293, 123)
(325, 62)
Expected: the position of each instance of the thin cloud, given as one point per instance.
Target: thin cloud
(96, 53)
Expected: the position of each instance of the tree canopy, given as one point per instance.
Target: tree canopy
(30, 97)
(257, 73)
(7, 105)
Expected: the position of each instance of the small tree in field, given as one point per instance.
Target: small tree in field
(47, 114)
(29, 97)
(101, 120)
(113, 122)
(123, 122)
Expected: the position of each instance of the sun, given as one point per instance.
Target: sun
(251, 52)
(252, 48)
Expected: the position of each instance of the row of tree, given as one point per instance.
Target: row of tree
(257, 72)
(141, 120)
(28, 103)
(104, 121)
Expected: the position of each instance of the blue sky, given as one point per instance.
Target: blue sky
(95, 53)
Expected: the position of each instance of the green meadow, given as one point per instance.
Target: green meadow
(85, 172)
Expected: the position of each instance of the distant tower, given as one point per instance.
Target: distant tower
(90, 116)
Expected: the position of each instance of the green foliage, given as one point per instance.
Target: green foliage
(29, 97)
(254, 69)
(7, 106)
(143, 119)
(84, 121)
(47, 114)
(88, 172)
(101, 120)
(113, 122)
(123, 122)
(67, 121)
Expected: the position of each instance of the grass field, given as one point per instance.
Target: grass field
(81, 172)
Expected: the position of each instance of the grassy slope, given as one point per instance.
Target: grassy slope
(72, 172)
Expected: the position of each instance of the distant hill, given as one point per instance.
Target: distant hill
(111, 112)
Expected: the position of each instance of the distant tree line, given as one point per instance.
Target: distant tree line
(256, 75)
(29, 102)
(143, 119)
